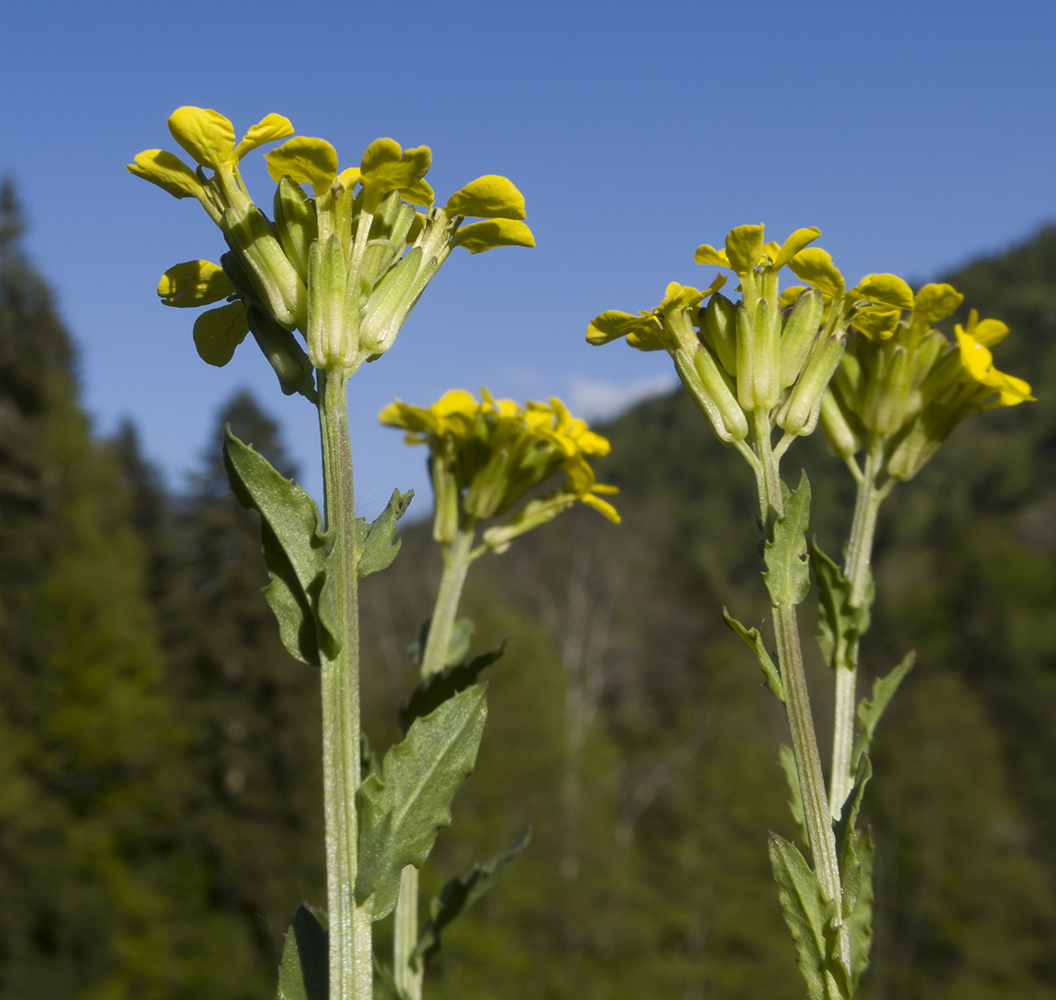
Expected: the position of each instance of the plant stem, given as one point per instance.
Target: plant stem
(797, 700)
(457, 557)
(351, 967)
(856, 569)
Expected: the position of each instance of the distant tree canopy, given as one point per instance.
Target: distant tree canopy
(160, 803)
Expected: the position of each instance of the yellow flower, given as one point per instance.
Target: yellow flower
(490, 453)
(978, 363)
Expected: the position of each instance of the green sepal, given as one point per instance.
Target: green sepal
(787, 759)
(787, 561)
(401, 808)
(376, 543)
(855, 851)
(304, 973)
(457, 643)
(870, 710)
(840, 624)
(432, 692)
(755, 642)
(809, 916)
(296, 549)
(461, 893)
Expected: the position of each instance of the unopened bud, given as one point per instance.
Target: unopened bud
(332, 341)
(717, 327)
(274, 278)
(295, 224)
(445, 495)
(391, 300)
(845, 442)
(798, 335)
(488, 489)
(799, 415)
(284, 353)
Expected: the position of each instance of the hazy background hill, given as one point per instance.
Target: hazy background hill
(159, 785)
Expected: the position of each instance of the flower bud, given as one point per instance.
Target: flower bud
(717, 326)
(691, 379)
(487, 491)
(718, 388)
(284, 353)
(797, 337)
(296, 224)
(327, 327)
(445, 492)
(799, 415)
(758, 357)
(273, 277)
(391, 300)
(845, 442)
(886, 409)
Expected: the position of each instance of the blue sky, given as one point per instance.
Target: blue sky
(915, 135)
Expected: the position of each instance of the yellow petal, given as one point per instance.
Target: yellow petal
(218, 332)
(877, 324)
(194, 283)
(790, 295)
(934, 302)
(989, 332)
(885, 289)
(305, 161)
(488, 197)
(796, 242)
(706, 254)
(744, 247)
(387, 167)
(976, 358)
(168, 171)
(268, 129)
(1012, 390)
(206, 134)
(348, 178)
(419, 193)
(480, 236)
(814, 266)
(613, 324)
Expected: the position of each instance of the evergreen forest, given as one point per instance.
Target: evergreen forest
(160, 777)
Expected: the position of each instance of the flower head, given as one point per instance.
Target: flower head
(343, 266)
(485, 456)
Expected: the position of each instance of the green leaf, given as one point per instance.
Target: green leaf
(755, 641)
(432, 692)
(461, 893)
(304, 973)
(840, 625)
(869, 711)
(376, 543)
(401, 808)
(787, 759)
(296, 550)
(787, 562)
(855, 851)
(809, 917)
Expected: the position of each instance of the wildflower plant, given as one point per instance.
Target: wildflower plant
(489, 461)
(869, 365)
(324, 285)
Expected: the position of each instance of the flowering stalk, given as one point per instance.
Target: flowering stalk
(484, 457)
(342, 269)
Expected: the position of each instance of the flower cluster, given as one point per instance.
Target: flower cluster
(485, 456)
(899, 392)
(771, 354)
(343, 265)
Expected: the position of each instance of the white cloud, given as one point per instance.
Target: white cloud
(596, 399)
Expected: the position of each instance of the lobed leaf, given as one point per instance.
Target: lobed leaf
(755, 642)
(401, 809)
(376, 543)
(787, 562)
(304, 973)
(869, 711)
(433, 691)
(840, 625)
(461, 893)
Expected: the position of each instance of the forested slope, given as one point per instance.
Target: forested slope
(160, 815)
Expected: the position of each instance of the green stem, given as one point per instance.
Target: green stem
(797, 699)
(457, 557)
(351, 967)
(856, 569)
